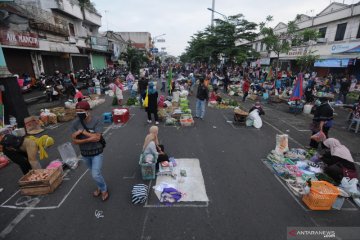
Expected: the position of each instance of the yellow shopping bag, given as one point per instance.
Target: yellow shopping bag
(146, 100)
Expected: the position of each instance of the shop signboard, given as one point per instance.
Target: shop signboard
(346, 48)
(116, 52)
(330, 63)
(22, 39)
(265, 61)
(102, 41)
(297, 51)
(100, 48)
(99, 43)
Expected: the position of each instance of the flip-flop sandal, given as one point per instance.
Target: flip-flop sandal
(96, 193)
(105, 196)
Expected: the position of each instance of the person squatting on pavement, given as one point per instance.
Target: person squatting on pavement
(86, 132)
(22, 151)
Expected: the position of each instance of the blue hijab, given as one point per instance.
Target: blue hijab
(152, 88)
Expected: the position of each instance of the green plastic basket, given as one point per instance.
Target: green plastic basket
(148, 170)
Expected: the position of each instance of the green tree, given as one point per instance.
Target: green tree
(220, 40)
(307, 60)
(134, 59)
(275, 42)
(282, 42)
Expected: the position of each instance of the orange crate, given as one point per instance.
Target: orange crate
(322, 196)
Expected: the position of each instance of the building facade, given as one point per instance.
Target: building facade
(338, 45)
(50, 35)
(139, 40)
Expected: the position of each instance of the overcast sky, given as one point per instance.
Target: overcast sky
(180, 19)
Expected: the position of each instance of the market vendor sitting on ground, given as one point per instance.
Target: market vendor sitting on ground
(23, 151)
(152, 146)
(215, 96)
(338, 159)
(257, 106)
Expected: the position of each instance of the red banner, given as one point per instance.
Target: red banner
(23, 39)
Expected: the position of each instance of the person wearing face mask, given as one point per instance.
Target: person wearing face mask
(323, 119)
(86, 132)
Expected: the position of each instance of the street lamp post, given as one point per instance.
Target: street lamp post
(213, 11)
(153, 43)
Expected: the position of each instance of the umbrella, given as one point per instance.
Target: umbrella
(298, 89)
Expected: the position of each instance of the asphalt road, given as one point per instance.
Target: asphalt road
(247, 201)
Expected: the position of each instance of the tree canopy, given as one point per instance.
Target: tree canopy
(220, 41)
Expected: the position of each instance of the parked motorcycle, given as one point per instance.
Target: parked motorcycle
(54, 89)
(41, 82)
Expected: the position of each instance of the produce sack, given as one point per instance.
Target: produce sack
(350, 185)
(282, 143)
(318, 137)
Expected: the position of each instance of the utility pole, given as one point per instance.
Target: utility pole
(212, 13)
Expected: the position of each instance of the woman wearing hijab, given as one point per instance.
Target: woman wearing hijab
(338, 160)
(118, 90)
(151, 145)
(152, 107)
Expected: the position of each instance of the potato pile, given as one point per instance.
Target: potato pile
(40, 174)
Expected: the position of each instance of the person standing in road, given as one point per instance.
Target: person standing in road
(142, 86)
(226, 80)
(344, 89)
(201, 97)
(192, 82)
(86, 132)
(322, 121)
(245, 88)
(163, 82)
(152, 104)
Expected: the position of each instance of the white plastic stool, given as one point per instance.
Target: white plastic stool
(356, 123)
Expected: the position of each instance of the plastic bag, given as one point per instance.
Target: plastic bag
(350, 185)
(319, 137)
(282, 143)
(68, 155)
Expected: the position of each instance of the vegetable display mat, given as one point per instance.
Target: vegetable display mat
(192, 186)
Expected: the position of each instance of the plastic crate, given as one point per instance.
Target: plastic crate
(322, 196)
(186, 120)
(148, 170)
(107, 117)
(120, 118)
(296, 109)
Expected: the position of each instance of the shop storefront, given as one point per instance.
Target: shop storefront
(99, 46)
(56, 56)
(17, 48)
(98, 61)
(80, 62)
(342, 60)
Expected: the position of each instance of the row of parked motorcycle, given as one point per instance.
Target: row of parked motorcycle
(58, 85)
